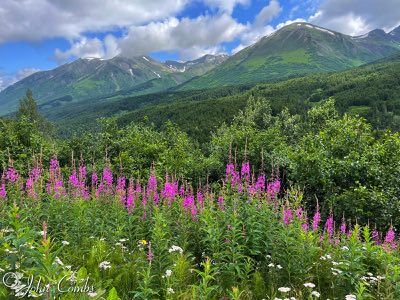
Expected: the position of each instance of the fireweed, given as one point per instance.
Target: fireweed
(235, 231)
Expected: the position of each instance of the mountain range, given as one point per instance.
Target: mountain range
(294, 50)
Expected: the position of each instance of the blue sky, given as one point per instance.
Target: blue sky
(54, 32)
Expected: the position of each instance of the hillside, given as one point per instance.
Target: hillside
(294, 50)
(372, 91)
(86, 79)
(298, 49)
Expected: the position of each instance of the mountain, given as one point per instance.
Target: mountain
(298, 49)
(371, 90)
(89, 78)
(294, 50)
(395, 33)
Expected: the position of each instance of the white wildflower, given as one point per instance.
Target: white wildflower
(316, 294)
(175, 248)
(105, 265)
(58, 261)
(345, 248)
(284, 289)
(351, 297)
(170, 291)
(309, 285)
(65, 243)
(279, 267)
(92, 294)
(168, 273)
(271, 265)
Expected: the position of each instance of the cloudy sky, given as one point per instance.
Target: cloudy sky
(42, 34)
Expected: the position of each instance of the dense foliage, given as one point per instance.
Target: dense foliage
(337, 159)
(96, 235)
(371, 91)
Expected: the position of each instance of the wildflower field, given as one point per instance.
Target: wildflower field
(71, 234)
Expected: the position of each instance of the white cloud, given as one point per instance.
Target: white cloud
(259, 28)
(34, 20)
(268, 13)
(9, 79)
(83, 48)
(357, 17)
(189, 37)
(226, 6)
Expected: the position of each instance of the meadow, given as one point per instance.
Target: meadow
(101, 235)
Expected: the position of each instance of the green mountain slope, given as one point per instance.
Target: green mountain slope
(298, 49)
(372, 91)
(87, 79)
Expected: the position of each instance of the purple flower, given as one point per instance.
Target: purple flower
(12, 174)
(376, 237)
(130, 200)
(316, 220)
(188, 201)
(329, 225)
(3, 193)
(343, 227)
(273, 188)
(245, 171)
(287, 216)
(120, 190)
(221, 203)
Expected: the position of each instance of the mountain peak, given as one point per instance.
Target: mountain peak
(395, 33)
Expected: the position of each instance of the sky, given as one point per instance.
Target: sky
(43, 34)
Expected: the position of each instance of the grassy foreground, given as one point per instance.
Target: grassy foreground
(108, 237)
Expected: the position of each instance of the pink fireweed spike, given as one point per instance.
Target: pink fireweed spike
(193, 211)
(106, 183)
(230, 169)
(200, 199)
(11, 174)
(130, 200)
(221, 203)
(343, 228)
(260, 184)
(3, 192)
(376, 237)
(273, 188)
(120, 190)
(329, 225)
(245, 172)
(304, 226)
(150, 254)
(54, 185)
(316, 219)
(390, 241)
(170, 191)
(188, 202)
(287, 216)
(299, 213)
(34, 176)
